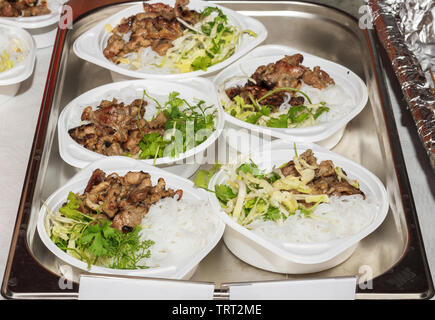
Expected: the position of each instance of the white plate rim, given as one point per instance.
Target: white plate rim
(114, 164)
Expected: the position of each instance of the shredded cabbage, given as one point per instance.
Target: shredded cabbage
(205, 44)
(250, 194)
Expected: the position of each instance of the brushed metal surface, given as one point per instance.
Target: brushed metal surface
(314, 29)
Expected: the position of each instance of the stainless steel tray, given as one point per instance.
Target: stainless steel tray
(394, 253)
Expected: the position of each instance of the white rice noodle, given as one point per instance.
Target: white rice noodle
(146, 60)
(341, 217)
(336, 98)
(285, 104)
(179, 229)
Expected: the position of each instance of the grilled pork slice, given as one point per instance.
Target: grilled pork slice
(25, 8)
(123, 199)
(115, 129)
(157, 27)
(287, 72)
(326, 179)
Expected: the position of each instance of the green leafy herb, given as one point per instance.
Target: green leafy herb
(152, 145)
(253, 118)
(252, 113)
(251, 168)
(224, 193)
(272, 213)
(284, 89)
(272, 177)
(209, 10)
(281, 122)
(203, 177)
(94, 240)
(305, 211)
(319, 111)
(131, 250)
(69, 210)
(201, 63)
(190, 124)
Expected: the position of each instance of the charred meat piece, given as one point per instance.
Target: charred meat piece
(161, 46)
(129, 217)
(308, 157)
(8, 10)
(317, 78)
(326, 169)
(123, 199)
(116, 128)
(287, 72)
(25, 8)
(97, 177)
(157, 27)
(189, 16)
(295, 59)
(326, 180)
(278, 75)
(156, 10)
(114, 47)
(289, 169)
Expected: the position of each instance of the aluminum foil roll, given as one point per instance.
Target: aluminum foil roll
(407, 32)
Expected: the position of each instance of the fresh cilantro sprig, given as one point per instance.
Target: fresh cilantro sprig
(184, 118)
(273, 214)
(152, 146)
(224, 193)
(203, 177)
(93, 239)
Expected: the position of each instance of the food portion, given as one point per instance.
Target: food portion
(23, 8)
(301, 201)
(12, 51)
(101, 226)
(157, 27)
(127, 222)
(172, 39)
(116, 128)
(124, 200)
(275, 94)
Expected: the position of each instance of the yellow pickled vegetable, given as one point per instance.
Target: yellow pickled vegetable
(5, 61)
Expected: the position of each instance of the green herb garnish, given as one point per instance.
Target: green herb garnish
(190, 124)
(203, 177)
(93, 240)
(224, 193)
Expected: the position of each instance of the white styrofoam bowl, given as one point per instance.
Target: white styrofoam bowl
(190, 89)
(298, 258)
(90, 45)
(10, 80)
(183, 269)
(325, 133)
(45, 36)
(245, 141)
(42, 28)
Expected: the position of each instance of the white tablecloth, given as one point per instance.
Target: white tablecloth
(18, 118)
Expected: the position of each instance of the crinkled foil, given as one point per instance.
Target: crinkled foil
(406, 29)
